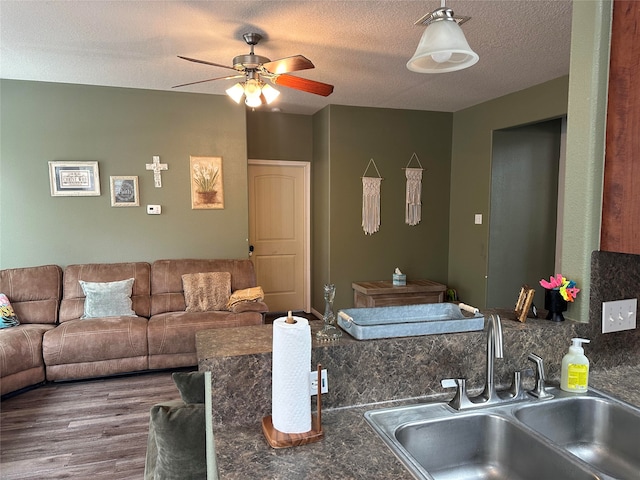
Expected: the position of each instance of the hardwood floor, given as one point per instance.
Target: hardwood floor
(95, 429)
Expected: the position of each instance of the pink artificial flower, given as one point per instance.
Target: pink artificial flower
(554, 282)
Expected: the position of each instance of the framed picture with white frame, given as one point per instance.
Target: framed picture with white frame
(74, 179)
(124, 191)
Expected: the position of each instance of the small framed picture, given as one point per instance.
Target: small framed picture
(74, 179)
(524, 303)
(124, 192)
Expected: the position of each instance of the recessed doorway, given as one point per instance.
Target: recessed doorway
(279, 232)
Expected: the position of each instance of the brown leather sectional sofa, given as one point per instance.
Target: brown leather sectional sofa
(54, 343)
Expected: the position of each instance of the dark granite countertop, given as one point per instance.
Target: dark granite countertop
(350, 448)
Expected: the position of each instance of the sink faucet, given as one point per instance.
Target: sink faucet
(494, 350)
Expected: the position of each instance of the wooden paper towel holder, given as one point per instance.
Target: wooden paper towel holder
(278, 439)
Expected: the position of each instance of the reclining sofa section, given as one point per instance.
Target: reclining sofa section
(54, 341)
(94, 347)
(172, 330)
(35, 297)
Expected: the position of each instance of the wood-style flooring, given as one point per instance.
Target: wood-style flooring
(93, 430)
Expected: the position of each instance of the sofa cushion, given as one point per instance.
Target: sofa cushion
(94, 340)
(172, 336)
(206, 292)
(8, 317)
(190, 385)
(167, 294)
(73, 297)
(34, 292)
(107, 299)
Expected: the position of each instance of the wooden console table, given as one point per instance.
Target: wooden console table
(384, 294)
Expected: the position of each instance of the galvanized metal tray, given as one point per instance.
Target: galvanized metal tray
(407, 320)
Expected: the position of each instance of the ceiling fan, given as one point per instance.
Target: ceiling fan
(254, 68)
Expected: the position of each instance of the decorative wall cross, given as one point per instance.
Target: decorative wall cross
(157, 167)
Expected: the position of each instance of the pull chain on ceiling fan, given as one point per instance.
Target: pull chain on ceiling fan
(254, 68)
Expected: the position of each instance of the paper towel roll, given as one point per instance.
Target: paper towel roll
(290, 400)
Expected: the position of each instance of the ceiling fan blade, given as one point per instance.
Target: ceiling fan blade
(289, 64)
(310, 86)
(209, 80)
(205, 62)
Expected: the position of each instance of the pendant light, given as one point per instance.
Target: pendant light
(443, 46)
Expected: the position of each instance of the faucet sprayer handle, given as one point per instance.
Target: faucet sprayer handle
(539, 365)
(540, 390)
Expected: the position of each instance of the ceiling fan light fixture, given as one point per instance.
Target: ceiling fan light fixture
(255, 93)
(443, 46)
(236, 92)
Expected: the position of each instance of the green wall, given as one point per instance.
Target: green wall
(121, 129)
(279, 136)
(341, 141)
(582, 96)
(390, 137)
(586, 131)
(471, 177)
(320, 205)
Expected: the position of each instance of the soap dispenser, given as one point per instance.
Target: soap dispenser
(575, 368)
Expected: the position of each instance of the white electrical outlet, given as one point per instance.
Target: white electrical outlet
(619, 315)
(313, 377)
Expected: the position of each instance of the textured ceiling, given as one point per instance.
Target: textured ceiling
(361, 47)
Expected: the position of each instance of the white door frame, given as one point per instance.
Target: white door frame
(306, 166)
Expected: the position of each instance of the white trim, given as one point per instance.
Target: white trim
(306, 166)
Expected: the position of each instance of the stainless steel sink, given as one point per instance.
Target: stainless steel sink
(484, 446)
(590, 436)
(602, 433)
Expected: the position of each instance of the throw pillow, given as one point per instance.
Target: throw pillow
(107, 299)
(8, 317)
(252, 294)
(177, 442)
(190, 385)
(206, 292)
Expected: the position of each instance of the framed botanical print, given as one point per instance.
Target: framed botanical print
(124, 192)
(74, 179)
(206, 182)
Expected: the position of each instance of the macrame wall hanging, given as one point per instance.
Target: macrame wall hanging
(413, 211)
(371, 201)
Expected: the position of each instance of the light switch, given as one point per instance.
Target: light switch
(478, 219)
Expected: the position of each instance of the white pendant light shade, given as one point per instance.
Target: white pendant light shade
(253, 102)
(236, 92)
(442, 48)
(270, 93)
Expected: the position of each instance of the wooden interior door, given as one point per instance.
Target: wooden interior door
(279, 231)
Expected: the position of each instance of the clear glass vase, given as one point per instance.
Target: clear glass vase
(329, 330)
